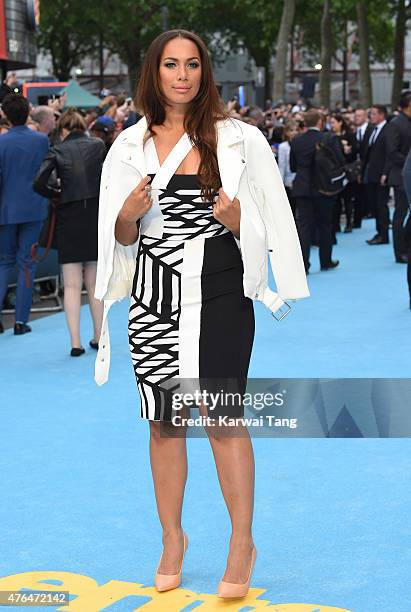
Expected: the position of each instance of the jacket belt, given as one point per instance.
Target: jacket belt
(102, 364)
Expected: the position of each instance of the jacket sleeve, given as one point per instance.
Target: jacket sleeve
(406, 177)
(41, 181)
(394, 156)
(293, 161)
(116, 262)
(353, 142)
(282, 239)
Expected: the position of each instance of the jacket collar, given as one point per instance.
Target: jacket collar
(229, 132)
(230, 162)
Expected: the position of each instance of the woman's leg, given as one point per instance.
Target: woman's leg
(96, 307)
(234, 458)
(73, 282)
(168, 458)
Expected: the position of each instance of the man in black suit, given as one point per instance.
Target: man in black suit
(398, 145)
(312, 208)
(406, 175)
(363, 129)
(374, 155)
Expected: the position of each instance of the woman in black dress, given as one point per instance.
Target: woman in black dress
(349, 145)
(188, 312)
(76, 162)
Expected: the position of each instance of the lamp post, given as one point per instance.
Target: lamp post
(164, 18)
(344, 77)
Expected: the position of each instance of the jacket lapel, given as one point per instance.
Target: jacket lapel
(231, 163)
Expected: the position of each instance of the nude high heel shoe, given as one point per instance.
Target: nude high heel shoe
(232, 589)
(166, 582)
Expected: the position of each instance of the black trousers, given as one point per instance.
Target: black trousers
(359, 204)
(315, 212)
(378, 196)
(345, 200)
(291, 199)
(407, 236)
(400, 212)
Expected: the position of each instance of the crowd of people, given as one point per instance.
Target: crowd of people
(337, 166)
(342, 166)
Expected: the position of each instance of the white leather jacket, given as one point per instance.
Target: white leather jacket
(248, 171)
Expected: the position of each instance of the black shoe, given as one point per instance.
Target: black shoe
(348, 229)
(331, 265)
(21, 328)
(402, 259)
(373, 238)
(93, 344)
(76, 352)
(1, 328)
(377, 240)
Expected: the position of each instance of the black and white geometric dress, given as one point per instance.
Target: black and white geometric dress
(188, 316)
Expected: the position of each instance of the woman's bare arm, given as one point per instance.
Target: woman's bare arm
(135, 206)
(126, 232)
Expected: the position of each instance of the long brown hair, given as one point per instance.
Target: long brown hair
(72, 120)
(204, 110)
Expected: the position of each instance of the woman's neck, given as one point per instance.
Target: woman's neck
(174, 119)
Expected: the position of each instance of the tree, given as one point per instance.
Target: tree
(402, 15)
(286, 26)
(65, 33)
(363, 43)
(326, 55)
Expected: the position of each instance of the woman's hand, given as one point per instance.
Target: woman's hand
(135, 206)
(227, 212)
(137, 203)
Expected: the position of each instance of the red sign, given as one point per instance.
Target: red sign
(3, 39)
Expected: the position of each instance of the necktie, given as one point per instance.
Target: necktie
(359, 135)
(373, 136)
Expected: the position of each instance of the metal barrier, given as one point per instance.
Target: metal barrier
(48, 269)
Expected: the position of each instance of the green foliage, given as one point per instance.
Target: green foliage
(70, 29)
(66, 32)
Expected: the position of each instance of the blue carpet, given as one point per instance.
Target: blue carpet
(331, 516)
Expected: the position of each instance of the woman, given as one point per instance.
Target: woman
(349, 145)
(170, 238)
(77, 162)
(290, 131)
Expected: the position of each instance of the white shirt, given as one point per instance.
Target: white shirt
(376, 132)
(284, 163)
(361, 131)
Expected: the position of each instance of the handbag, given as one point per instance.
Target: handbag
(47, 236)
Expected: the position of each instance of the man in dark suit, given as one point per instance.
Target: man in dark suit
(312, 208)
(398, 145)
(363, 129)
(22, 211)
(377, 191)
(406, 176)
